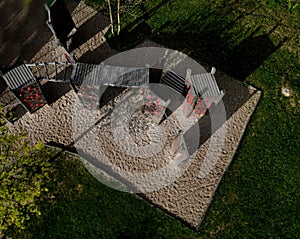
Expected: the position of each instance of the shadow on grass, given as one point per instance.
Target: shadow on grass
(218, 38)
(217, 47)
(24, 34)
(209, 36)
(79, 206)
(245, 58)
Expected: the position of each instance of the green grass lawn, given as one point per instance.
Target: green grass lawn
(259, 194)
(84, 208)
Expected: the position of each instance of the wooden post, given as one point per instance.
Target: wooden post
(190, 101)
(179, 149)
(111, 17)
(177, 141)
(188, 77)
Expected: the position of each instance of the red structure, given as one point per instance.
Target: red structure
(31, 96)
(89, 96)
(202, 105)
(154, 106)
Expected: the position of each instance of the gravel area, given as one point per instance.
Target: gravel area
(189, 196)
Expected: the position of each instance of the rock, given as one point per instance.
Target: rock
(285, 91)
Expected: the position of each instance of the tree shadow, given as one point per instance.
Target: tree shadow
(207, 36)
(97, 55)
(213, 45)
(23, 31)
(245, 58)
(88, 30)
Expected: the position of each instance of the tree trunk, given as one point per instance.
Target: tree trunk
(111, 17)
(118, 17)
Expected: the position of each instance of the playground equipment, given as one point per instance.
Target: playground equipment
(51, 71)
(179, 148)
(201, 91)
(25, 87)
(89, 80)
(154, 106)
(174, 81)
(24, 82)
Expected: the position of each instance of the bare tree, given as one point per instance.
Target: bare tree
(118, 17)
(117, 8)
(110, 16)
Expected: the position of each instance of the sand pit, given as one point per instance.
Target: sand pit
(188, 195)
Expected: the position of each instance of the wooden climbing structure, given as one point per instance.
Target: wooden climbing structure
(179, 149)
(89, 80)
(25, 87)
(203, 92)
(24, 81)
(154, 106)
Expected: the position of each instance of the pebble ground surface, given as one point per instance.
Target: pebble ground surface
(189, 194)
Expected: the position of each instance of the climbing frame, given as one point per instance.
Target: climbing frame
(179, 148)
(89, 80)
(154, 106)
(203, 93)
(25, 87)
